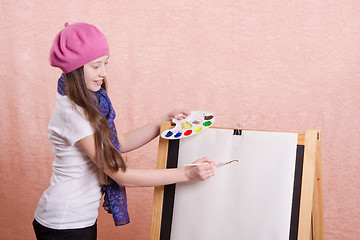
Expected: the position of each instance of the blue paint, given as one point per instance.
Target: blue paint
(168, 134)
(178, 134)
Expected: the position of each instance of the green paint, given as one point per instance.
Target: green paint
(207, 123)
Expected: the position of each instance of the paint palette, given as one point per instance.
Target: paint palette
(196, 122)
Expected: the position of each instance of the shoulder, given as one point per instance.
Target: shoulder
(68, 115)
(65, 107)
(69, 120)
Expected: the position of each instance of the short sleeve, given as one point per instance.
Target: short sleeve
(77, 126)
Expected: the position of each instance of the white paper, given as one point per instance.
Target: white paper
(251, 199)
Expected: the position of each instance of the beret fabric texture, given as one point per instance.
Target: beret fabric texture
(76, 45)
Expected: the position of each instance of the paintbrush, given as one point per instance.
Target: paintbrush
(217, 164)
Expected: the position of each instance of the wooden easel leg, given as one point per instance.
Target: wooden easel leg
(307, 186)
(318, 209)
(159, 191)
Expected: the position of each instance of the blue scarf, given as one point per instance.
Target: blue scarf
(115, 196)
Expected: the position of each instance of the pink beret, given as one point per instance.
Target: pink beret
(76, 45)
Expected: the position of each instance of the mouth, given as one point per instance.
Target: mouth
(99, 82)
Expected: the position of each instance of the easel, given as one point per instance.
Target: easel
(311, 214)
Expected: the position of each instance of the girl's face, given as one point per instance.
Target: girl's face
(95, 72)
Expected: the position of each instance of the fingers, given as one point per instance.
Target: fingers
(179, 114)
(207, 174)
(203, 171)
(205, 160)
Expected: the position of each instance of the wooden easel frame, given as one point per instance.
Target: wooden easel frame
(311, 215)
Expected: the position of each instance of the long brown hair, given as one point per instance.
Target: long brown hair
(106, 153)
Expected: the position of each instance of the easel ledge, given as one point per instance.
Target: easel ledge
(311, 215)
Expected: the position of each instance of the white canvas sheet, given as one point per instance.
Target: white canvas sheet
(251, 199)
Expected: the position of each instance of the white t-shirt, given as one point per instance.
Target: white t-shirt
(73, 197)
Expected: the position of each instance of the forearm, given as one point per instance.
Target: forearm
(148, 177)
(136, 177)
(151, 177)
(139, 137)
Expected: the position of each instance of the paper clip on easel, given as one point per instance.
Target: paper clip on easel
(237, 130)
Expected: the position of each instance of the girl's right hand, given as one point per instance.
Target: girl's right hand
(201, 172)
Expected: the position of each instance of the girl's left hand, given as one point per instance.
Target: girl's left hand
(178, 114)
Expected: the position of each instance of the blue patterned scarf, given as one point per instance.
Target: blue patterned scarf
(115, 196)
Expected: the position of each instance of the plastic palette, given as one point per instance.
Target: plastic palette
(197, 122)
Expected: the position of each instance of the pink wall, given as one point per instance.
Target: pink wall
(272, 65)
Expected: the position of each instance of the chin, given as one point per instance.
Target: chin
(97, 88)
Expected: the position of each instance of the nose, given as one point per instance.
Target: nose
(102, 72)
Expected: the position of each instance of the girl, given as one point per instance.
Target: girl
(87, 147)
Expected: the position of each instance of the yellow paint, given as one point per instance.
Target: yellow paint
(186, 125)
(198, 129)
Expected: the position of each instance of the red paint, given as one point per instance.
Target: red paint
(188, 132)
